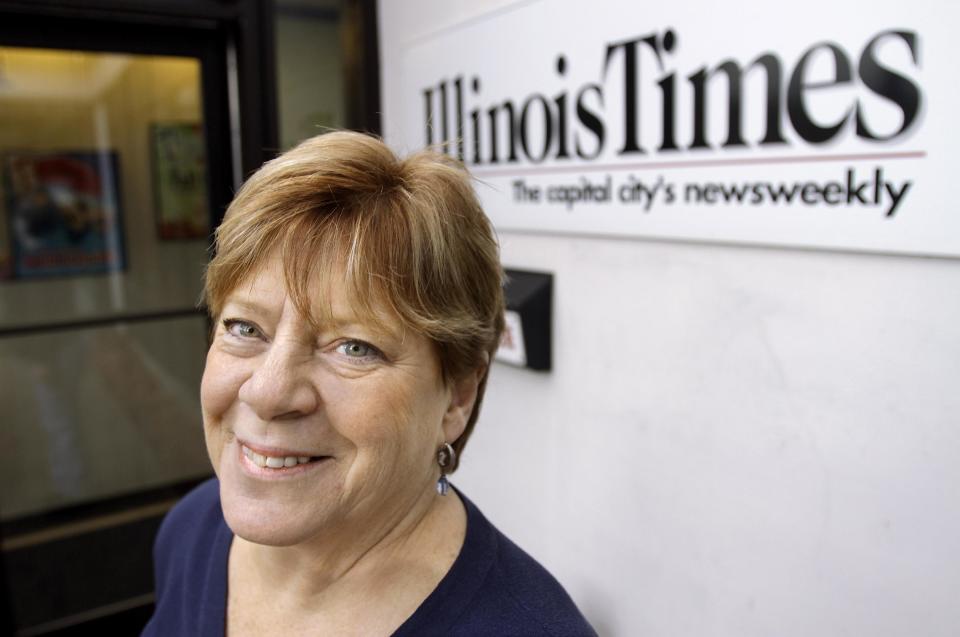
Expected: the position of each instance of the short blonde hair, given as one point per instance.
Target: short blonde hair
(409, 234)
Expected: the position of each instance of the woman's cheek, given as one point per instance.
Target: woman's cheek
(219, 387)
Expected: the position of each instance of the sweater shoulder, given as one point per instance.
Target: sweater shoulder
(189, 565)
(525, 597)
(187, 522)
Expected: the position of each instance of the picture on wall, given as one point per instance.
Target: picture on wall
(180, 180)
(63, 213)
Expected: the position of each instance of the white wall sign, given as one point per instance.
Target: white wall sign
(818, 124)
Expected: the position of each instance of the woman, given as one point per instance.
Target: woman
(357, 304)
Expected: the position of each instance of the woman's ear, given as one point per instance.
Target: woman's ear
(463, 396)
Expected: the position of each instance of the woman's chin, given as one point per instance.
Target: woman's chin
(266, 522)
(266, 535)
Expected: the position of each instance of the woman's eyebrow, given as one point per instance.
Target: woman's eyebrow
(349, 322)
(244, 305)
(347, 317)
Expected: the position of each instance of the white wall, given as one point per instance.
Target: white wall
(734, 441)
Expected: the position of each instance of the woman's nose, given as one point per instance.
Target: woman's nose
(280, 387)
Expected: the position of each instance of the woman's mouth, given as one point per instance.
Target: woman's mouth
(276, 462)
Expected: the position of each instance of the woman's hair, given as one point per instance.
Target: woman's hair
(408, 235)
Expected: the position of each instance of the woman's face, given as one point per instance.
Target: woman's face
(325, 432)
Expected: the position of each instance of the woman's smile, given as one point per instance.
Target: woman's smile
(273, 464)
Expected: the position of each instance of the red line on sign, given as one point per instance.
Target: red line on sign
(696, 163)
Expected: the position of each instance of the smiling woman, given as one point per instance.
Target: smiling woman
(357, 302)
(359, 403)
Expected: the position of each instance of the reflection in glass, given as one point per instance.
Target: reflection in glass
(103, 186)
(96, 413)
(103, 213)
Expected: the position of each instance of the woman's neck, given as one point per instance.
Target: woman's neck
(383, 572)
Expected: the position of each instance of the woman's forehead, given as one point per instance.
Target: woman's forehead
(325, 297)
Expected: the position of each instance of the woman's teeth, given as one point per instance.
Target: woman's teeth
(274, 462)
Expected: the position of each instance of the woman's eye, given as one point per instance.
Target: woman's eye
(358, 349)
(241, 329)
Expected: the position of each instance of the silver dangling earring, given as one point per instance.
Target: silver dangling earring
(446, 457)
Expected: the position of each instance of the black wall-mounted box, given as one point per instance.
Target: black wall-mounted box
(528, 339)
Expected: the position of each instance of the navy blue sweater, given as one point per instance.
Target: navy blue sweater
(493, 587)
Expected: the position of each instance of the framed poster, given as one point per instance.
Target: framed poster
(63, 213)
(180, 181)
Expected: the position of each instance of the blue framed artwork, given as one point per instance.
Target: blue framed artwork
(63, 213)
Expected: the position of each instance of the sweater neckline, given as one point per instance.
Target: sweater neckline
(435, 614)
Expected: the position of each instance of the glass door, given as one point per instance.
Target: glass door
(115, 165)
(104, 226)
